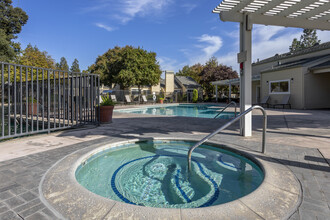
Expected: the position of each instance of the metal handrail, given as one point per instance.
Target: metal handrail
(227, 125)
(232, 102)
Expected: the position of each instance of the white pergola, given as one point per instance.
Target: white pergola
(310, 14)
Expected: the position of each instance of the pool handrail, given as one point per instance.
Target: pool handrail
(227, 125)
(232, 102)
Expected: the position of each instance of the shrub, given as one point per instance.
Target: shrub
(195, 96)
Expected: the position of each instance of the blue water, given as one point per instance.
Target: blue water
(155, 174)
(185, 110)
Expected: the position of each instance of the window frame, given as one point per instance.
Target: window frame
(279, 81)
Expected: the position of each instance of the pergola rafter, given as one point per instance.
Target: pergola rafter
(309, 14)
(321, 8)
(296, 7)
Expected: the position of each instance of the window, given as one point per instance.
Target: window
(279, 87)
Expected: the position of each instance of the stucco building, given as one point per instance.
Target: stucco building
(303, 74)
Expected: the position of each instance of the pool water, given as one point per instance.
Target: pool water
(186, 110)
(154, 174)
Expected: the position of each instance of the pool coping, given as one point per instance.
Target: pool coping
(277, 197)
(125, 108)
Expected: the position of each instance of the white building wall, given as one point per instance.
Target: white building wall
(317, 90)
(296, 81)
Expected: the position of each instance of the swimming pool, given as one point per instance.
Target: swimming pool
(185, 110)
(155, 174)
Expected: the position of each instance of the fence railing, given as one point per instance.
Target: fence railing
(35, 100)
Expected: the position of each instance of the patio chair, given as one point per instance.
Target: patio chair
(128, 99)
(284, 101)
(113, 98)
(264, 101)
(145, 100)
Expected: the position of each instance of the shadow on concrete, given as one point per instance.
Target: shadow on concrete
(317, 159)
(297, 134)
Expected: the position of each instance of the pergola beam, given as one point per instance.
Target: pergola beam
(325, 17)
(277, 20)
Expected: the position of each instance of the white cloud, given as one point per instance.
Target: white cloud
(265, 33)
(266, 42)
(277, 40)
(106, 27)
(208, 45)
(324, 36)
(229, 59)
(189, 7)
(214, 44)
(167, 63)
(126, 10)
(129, 9)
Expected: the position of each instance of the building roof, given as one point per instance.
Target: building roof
(308, 62)
(311, 14)
(187, 81)
(276, 57)
(321, 66)
(234, 81)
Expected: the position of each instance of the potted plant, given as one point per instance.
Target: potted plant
(161, 100)
(106, 109)
(32, 103)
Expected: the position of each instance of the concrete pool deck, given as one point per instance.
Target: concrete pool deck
(298, 139)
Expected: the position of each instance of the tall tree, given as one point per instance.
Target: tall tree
(75, 66)
(296, 45)
(307, 39)
(32, 56)
(192, 71)
(63, 65)
(11, 21)
(213, 71)
(7, 52)
(128, 66)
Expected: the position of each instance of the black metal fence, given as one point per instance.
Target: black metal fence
(35, 100)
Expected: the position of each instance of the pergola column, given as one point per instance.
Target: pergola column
(229, 91)
(246, 75)
(216, 93)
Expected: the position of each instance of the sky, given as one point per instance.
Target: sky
(181, 32)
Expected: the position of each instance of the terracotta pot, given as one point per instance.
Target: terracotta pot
(161, 101)
(35, 106)
(106, 114)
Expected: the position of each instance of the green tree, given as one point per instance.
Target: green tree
(127, 66)
(11, 21)
(75, 66)
(7, 52)
(32, 56)
(192, 71)
(213, 71)
(63, 65)
(295, 45)
(307, 39)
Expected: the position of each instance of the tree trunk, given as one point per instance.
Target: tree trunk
(139, 97)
